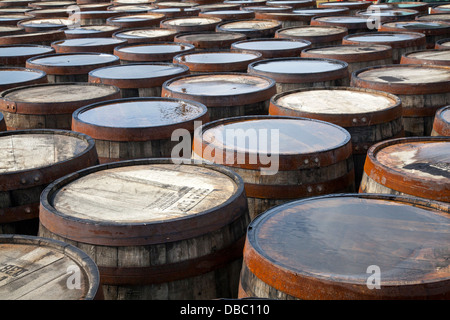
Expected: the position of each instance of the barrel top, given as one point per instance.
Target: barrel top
(331, 239)
(349, 49)
(271, 44)
(138, 71)
(319, 11)
(440, 55)
(24, 50)
(434, 17)
(418, 25)
(90, 29)
(18, 75)
(350, 4)
(209, 36)
(155, 47)
(88, 42)
(405, 74)
(138, 17)
(342, 19)
(389, 12)
(145, 33)
(384, 37)
(63, 60)
(216, 57)
(313, 31)
(13, 17)
(297, 66)
(191, 21)
(253, 24)
(48, 22)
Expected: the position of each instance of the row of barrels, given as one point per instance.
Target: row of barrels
(206, 225)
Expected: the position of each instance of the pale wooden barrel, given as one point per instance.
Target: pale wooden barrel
(273, 47)
(42, 38)
(11, 77)
(322, 248)
(228, 15)
(438, 57)
(17, 55)
(441, 123)
(352, 6)
(182, 237)
(132, 8)
(158, 51)
(142, 127)
(415, 166)
(50, 106)
(354, 24)
(210, 40)
(2, 122)
(287, 19)
(443, 44)
(176, 4)
(296, 72)
(190, 24)
(99, 31)
(422, 88)
(81, 45)
(252, 28)
(319, 36)
(369, 116)
(71, 67)
(150, 34)
(356, 56)
(37, 268)
(31, 160)
(45, 24)
(138, 79)
(307, 157)
(225, 94)
(136, 20)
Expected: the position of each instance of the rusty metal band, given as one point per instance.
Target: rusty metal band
(19, 213)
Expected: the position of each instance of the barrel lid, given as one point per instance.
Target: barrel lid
(246, 2)
(431, 56)
(430, 27)
(48, 4)
(390, 13)
(248, 25)
(17, 76)
(444, 43)
(350, 53)
(134, 18)
(118, 2)
(17, 3)
(43, 269)
(24, 50)
(152, 51)
(177, 12)
(88, 30)
(312, 33)
(351, 22)
(444, 113)
(221, 88)
(321, 11)
(140, 34)
(417, 166)
(176, 4)
(135, 8)
(183, 22)
(228, 14)
(293, 3)
(394, 38)
(265, 8)
(8, 30)
(273, 46)
(137, 75)
(403, 5)
(347, 4)
(98, 14)
(32, 37)
(86, 44)
(323, 247)
(434, 17)
(209, 38)
(165, 201)
(47, 23)
(14, 10)
(12, 19)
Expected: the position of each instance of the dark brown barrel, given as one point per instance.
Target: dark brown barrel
(245, 3)
(17, 55)
(389, 15)
(369, 116)
(12, 77)
(49, 13)
(175, 4)
(433, 30)
(100, 31)
(319, 249)
(158, 51)
(401, 42)
(81, 45)
(196, 211)
(441, 124)
(51, 4)
(319, 36)
(135, 128)
(14, 10)
(307, 157)
(14, 3)
(422, 88)
(10, 30)
(228, 15)
(217, 60)
(45, 24)
(356, 56)
(442, 44)
(296, 72)
(138, 79)
(352, 6)
(295, 4)
(268, 9)
(214, 6)
(12, 19)
(177, 12)
(41, 38)
(225, 94)
(191, 24)
(438, 57)
(253, 28)
(434, 17)
(443, 8)
(273, 48)
(37, 268)
(2, 123)
(50, 106)
(128, 21)
(71, 67)
(31, 160)
(415, 166)
(354, 24)
(422, 7)
(210, 40)
(287, 19)
(151, 34)
(96, 17)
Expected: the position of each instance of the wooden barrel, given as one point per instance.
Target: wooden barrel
(443, 8)
(322, 12)
(438, 57)
(71, 67)
(401, 42)
(323, 248)
(136, 20)
(11, 77)
(296, 72)
(245, 3)
(96, 17)
(253, 28)
(150, 34)
(354, 24)
(175, 4)
(14, 10)
(295, 4)
(100, 31)
(46, 24)
(352, 6)
(2, 123)
(422, 88)
(10, 30)
(415, 166)
(269, 9)
(441, 124)
(228, 15)
(434, 17)
(442, 44)
(51, 4)
(273, 48)
(50, 106)
(17, 55)
(37, 268)
(158, 51)
(177, 12)
(14, 3)
(287, 19)
(356, 56)
(433, 30)
(31, 160)
(225, 94)
(81, 45)
(319, 36)
(217, 60)
(12, 19)
(138, 79)
(40, 38)
(214, 6)
(389, 15)
(49, 13)
(422, 7)
(132, 9)
(369, 116)
(182, 236)
(307, 157)
(210, 40)
(135, 128)
(191, 24)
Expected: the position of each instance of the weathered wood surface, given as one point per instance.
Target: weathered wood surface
(441, 123)
(318, 35)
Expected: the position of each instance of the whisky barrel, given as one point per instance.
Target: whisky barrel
(269, 9)
(2, 123)
(14, 3)
(422, 88)
(177, 12)
(10, 30)
(17, 55)
(319, 36)
(182, 236)
(134, 128)
(369, 116)
(322, 12)
(150, 34)
(131, 9)
(191, 24)
(37, 268)
(100, 31)
(245, 3)
(438, 57)
(307, 157)
(31, 160)
(49, 13)
(443, 8)
(415, 166)
(422, 7)
(295, 4)
(228, 15)
(40, 38)
(356, 56)
(210, 40)
(287, 19)
(11, 77)
(274, 47)
(14, 10)
(71, 67)
(82, 45)
(252, 28)
(441, 124)
(176, 4)
(50, 106)
(353, 24)
(352, 6)
(296, 72)
(51, 4)
(46, 24)
(12, 19)
(225, 94)
(389, 15)
(138, 79)
(215, 6)
(217, 60)
(401, 42)
(322, 248)
(128, 21)
(158, 51)
(434, 17)
(442, 44)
